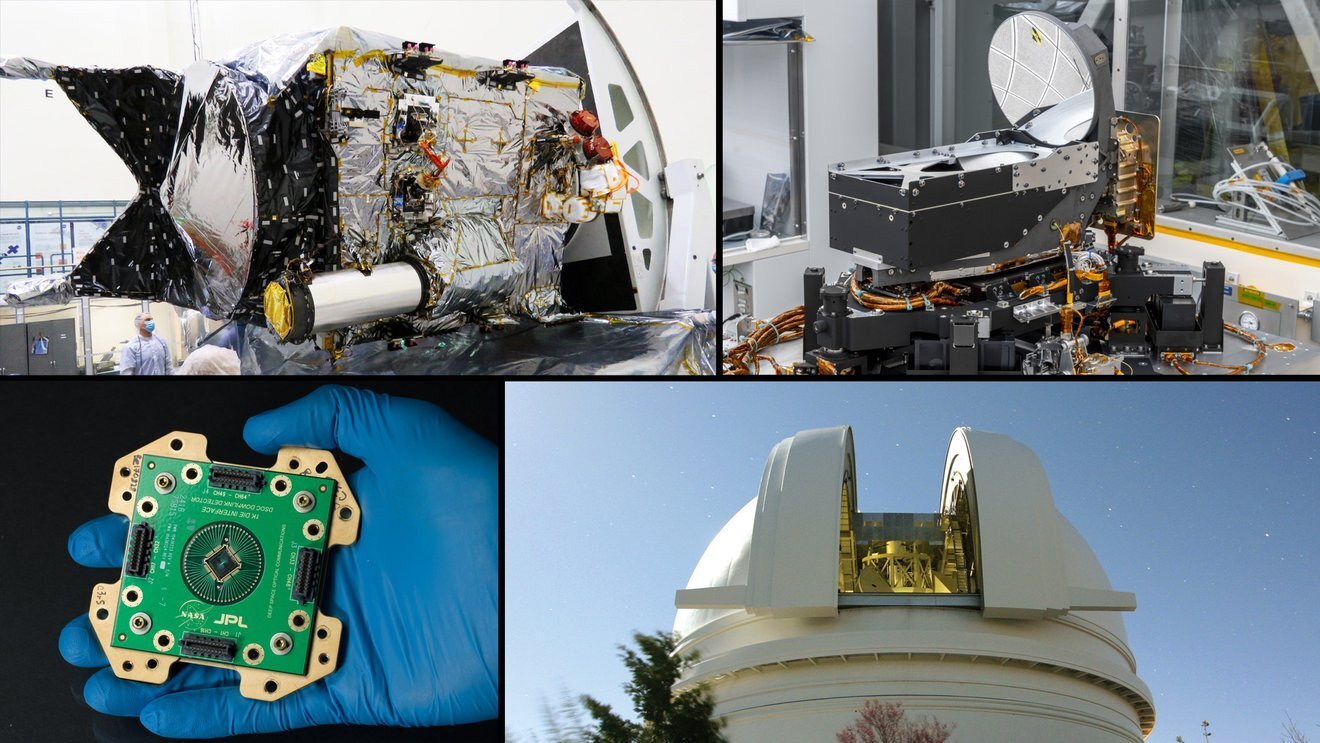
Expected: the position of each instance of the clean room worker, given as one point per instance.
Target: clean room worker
(146, 353)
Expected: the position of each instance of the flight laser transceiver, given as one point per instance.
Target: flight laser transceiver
(224, 566)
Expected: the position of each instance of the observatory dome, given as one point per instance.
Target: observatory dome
(992, 613)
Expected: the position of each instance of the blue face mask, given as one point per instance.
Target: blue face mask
(150, 326)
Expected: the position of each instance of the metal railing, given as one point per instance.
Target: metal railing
(44, 259)
(40, 259)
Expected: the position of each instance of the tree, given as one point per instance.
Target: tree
(561, 722)
(1292, 733)
(886, 722)
(666, 717)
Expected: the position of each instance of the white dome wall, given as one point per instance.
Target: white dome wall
(951, 663)
(985, 702)
(724, 563)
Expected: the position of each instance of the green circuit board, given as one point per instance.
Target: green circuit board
(223, 563)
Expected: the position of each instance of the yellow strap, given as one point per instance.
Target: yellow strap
(457, 71)
(540, 82)
(373, 54)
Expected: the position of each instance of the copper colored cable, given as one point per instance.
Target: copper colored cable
(1239, 369)
(1041, 288)
(786, 326)
(1261, 348)
(938, 295)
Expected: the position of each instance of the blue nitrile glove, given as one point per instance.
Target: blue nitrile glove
(417, 593)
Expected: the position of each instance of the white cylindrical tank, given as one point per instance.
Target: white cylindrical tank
(1019, 660)
(337, 299)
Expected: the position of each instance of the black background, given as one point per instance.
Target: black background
(58, 445)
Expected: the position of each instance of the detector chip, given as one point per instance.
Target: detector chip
(222, 562)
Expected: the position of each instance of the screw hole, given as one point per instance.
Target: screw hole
(102, 613)
(126, 495)
(313, 530)
(253, 653)
(323, 658)
(345, 513)
(151, 663)
(176, 444)
(162, 640)
(124, 472)
(293, 463)
(321, 467)
(146, 507)
(280, 486)
(271, 686)
(131, 595)
(322, 633)
(298, 620)
(128, 665)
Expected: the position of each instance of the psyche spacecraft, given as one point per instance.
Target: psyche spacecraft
(344, 185)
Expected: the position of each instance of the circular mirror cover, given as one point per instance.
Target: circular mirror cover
(1034, 63)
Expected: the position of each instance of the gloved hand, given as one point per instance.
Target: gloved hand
(418, 591)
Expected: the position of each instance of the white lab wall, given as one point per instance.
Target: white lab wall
(841, 106)
(48, 152)
(776, 284)
(754, 117)
(843, 110)
(742, 10)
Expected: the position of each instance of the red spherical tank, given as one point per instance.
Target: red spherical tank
(597, 148)
(584, 121)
